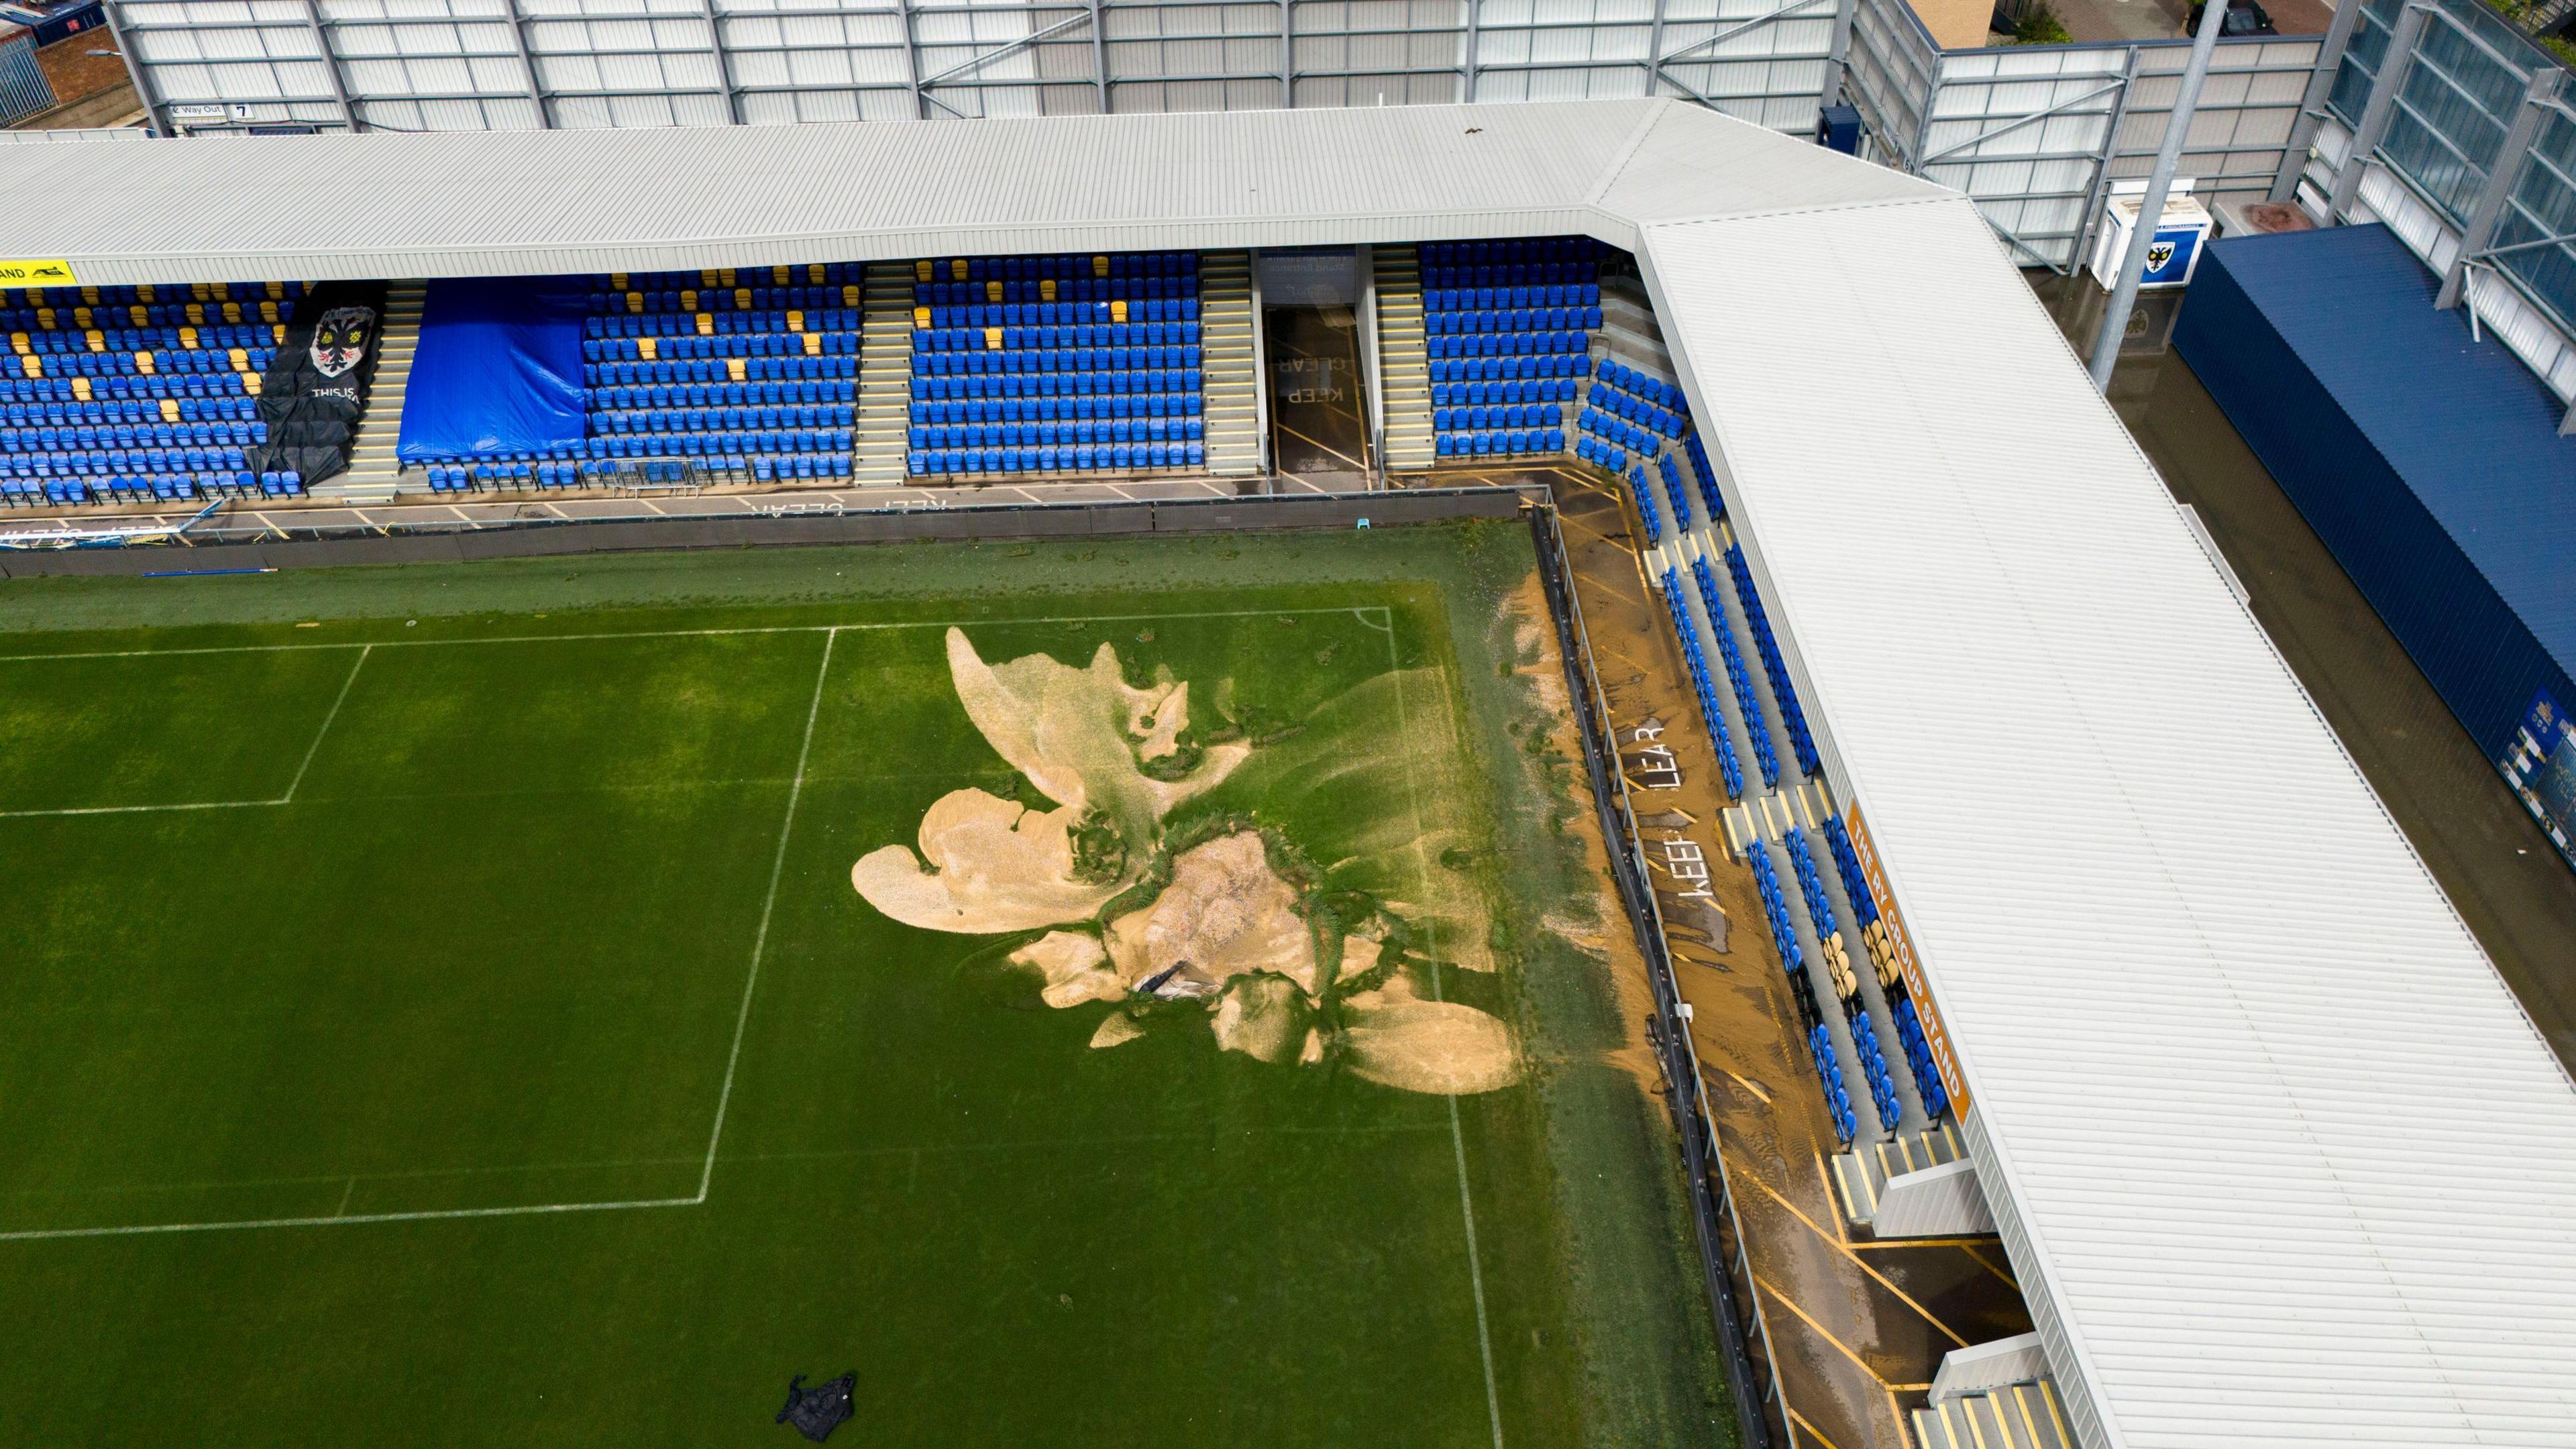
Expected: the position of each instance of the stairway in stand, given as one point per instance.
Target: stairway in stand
(1231, 375)
(877, 455)
(2017, 1416)
(1406, 385)
(375, 474)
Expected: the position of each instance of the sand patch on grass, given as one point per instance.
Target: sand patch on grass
(1225, 914)
(1262, 1017)
(1397, 1038)
(991, 865)
(1075, 968)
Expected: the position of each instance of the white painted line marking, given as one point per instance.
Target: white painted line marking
(768, 904)
(316, 747)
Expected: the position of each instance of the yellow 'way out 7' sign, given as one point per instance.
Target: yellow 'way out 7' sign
(40, 272)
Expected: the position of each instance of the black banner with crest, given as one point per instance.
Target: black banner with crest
(316, 387)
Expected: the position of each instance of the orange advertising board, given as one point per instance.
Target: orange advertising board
(1934, 1034)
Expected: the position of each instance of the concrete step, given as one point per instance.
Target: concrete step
(877, 453)
(1231, 373)
(1404, 361)
(1861, 1174)
(373, 467)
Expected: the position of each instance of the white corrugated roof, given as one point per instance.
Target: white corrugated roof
(2289, 1163)
(536, 202)
(2278, 1158)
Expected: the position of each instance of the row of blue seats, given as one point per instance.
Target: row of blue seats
(126, 295)
(67, 391)
(1075, 389)
(697, 371)
(1477, 394)
(140, 488)
(1511, 274)
(1653, 389)
(1505, 299)
(1083, 337)
(1601, 455)
(1513, 440)
(722, 301)
(1048, 435)
(1739, 679)
(1508, 415)
(1037, 292)
(176, 381)
(112, 410)
(1505, 369)
(1627, 435)
(480, 477)
(69, 462)
(718, 395)
(1856, 1017)
(64, 437)
(1060, 267)
(1820, 1042)
(717, 445)
(1728, 769)
(1528, 319)
(1674, 490)
(1106, 457)
(1910, 1039)
(1511, 344)
(1783, 690)
(1055, 360)
(780, 343)
(217, 337)
(663, 329)
(1064, 314)
(1629, 407)
(725, 420)
(1698, 455)
(1056, 410)
(836, 274)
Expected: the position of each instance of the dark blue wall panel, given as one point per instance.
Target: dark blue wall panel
(2429, 463)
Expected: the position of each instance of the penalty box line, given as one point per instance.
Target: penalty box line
(1384, 622)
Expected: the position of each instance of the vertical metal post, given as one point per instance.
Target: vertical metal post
(1260, 364)
(2098, 205)
(2312, 103)
(912, 60)
(124, 39)
(1287, 56)
(1837, 53)
(2151, 207)
(2536, 96)
(2374, 117)
(1100, 56)
(330, 63)
(1655, 49)
(716, 48)
(528, 63)
(1475, 21)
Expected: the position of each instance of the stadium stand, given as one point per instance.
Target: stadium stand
(1775, 668)
(739, 375)
(1820, 1041)
(1056, 363)
(1508, 329)
(138, 393)
(1738, 678)
(1829, 935)
(1910, 1037)
(1727, 764)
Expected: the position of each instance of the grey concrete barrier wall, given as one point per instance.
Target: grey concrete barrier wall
(537, 538)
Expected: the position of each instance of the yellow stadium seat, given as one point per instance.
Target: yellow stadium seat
(1100, 266)
(1118, 311)
(795, 321)
(1046, 286)
(849, 296)
(742, 299)
(813, 344)
(706, 324)
(689, 300)
(920, 318)
(143, 363)
(170, 405)
(957, 270)
(992, 291)
(734, 368)
(921, 271)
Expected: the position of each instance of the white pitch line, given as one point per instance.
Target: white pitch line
(1457, 1133)
(768, 904)
(316, 747)
(445, 1214)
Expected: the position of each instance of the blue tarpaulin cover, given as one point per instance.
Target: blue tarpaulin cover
(498, 370)
(2427, 458)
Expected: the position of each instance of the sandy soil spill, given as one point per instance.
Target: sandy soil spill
(1226, 928)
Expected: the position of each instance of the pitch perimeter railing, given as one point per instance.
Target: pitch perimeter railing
(1721, 1231)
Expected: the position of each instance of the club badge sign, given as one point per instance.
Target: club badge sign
(1935, 1034)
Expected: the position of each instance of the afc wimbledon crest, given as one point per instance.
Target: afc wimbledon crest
(817, 1411)
(2159, 253)
(340, 339)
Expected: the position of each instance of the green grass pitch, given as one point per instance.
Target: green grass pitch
(435, 1009)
